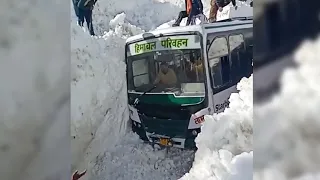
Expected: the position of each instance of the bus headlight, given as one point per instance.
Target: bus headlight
(194, 132)
(139, 125)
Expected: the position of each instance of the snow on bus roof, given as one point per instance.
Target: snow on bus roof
(182, 29)
(156, 32)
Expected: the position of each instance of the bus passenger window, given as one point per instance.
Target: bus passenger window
(218, 56)
(236, 42)
(140, 71)
(237, 52)
(216, 74)
(195, 69)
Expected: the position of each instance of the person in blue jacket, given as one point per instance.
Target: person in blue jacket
(85, 8)
(193, 8)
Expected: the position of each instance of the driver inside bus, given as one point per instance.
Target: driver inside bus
(166, 76)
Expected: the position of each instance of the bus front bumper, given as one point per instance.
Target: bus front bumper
(169, 139)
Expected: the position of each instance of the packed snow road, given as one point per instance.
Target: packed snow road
(133, 159)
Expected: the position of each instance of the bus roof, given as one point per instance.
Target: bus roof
(192, 28)
(171, 30)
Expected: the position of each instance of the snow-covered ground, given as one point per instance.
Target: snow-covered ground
(101, 139)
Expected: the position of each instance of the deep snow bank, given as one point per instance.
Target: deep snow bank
(241, 167)
(223, 136)
(98, 87)
(146, 14)
(289, 143)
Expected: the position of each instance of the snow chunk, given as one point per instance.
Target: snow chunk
(224, 135)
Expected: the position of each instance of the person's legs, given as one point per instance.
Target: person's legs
(182, 15)
(190, 18)
(193, 17)
(88, 17)
(203, 19)
(213, 11)
(80, 16)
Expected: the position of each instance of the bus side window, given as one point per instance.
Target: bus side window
(237, 52)
(218, 57)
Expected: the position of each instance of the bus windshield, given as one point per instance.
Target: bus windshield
(167, 65)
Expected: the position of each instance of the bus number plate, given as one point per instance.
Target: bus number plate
(164, 141)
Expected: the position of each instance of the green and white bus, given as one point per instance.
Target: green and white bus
(205, 63)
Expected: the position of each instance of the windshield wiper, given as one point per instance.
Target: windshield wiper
(137, 100)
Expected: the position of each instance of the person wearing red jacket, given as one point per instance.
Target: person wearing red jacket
(193, 8)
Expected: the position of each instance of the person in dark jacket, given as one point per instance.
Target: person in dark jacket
(85, 8)
(193, 8)
(218, 5)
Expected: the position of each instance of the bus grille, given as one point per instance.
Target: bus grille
(167, 127)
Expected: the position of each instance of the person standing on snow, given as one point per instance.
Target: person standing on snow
(85, 8)
(193, 8)
(218, 5)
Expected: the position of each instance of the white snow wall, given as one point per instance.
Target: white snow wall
(34, 90)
